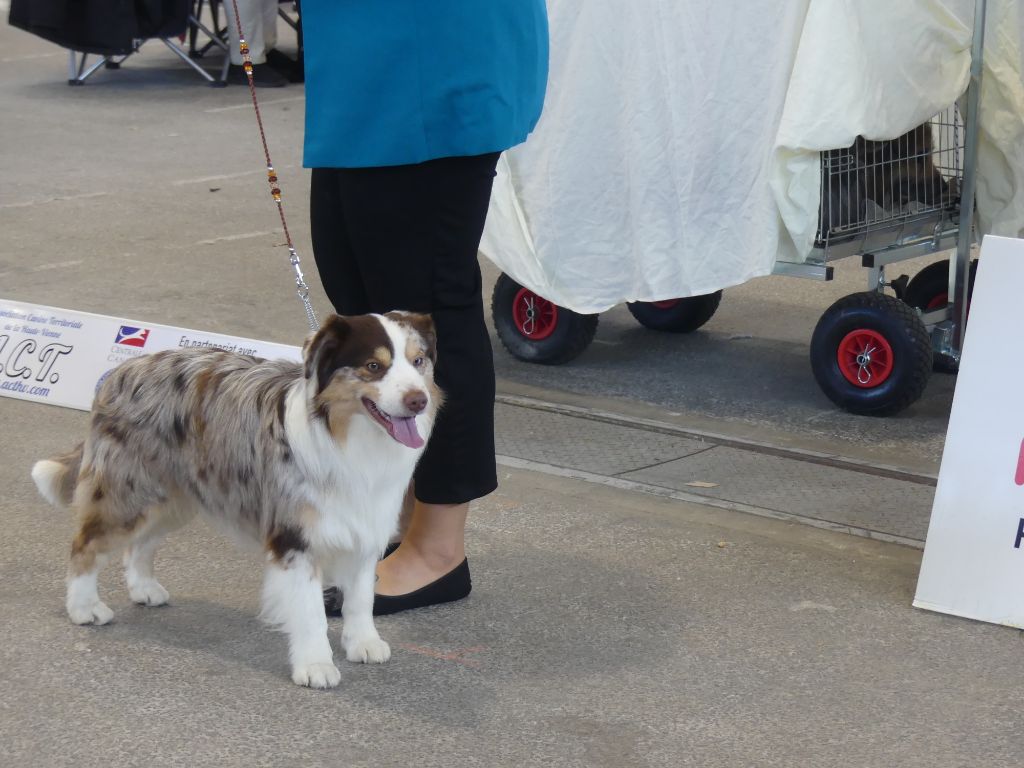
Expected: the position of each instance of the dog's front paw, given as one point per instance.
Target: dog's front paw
(148, 592)
(318, 675)
(90, 613)
(368, 650)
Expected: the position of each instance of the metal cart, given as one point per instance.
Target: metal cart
(886, 201)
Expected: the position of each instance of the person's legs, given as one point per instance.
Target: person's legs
(332, 252)
(458, 465)
(252, 14)
(269, 24)
(415, 232)
(259, 25)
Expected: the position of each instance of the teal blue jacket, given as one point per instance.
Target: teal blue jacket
(392, 82)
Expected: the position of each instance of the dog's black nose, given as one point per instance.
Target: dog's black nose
(415, 401)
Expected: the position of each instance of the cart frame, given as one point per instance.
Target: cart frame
(946, 324)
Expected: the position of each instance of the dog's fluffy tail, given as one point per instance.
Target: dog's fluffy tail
(56, 478)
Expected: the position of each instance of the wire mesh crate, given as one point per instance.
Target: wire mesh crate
(876, 194)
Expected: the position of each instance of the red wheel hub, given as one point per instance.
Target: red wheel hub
(535, 317)
(940, 300)
(865, 358)
(666, 304)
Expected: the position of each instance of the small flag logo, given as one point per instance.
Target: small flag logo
(132, 337)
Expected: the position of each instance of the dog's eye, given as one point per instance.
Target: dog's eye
(418, 362)
(373, 366)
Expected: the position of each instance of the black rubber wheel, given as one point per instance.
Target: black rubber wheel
(676, 315)
(534, 329)
(871, 354)
(929, 289)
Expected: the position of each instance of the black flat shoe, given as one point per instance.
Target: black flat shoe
(263, 76)
(285, 65)
(454, 585)
(332, 601)
(333, 598)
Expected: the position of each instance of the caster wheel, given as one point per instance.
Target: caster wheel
(871, 354)
(534, 329)
(676, 315)
(929, 289)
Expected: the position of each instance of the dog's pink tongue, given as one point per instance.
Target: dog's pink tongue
(405, 431)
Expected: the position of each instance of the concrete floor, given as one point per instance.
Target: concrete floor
(606, 628)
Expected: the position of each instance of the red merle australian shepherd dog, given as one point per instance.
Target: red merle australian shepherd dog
(310, 461)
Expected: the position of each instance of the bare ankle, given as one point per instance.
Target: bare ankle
(437, 556)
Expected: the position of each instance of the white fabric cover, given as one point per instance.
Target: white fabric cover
(869, 81)
(677, 153)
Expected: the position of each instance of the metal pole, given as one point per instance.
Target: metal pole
(185, 57)
(958, 282)
(84, 74)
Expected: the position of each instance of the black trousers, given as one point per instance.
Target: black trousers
(406, 237)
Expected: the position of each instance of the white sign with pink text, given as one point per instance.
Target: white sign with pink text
(973, 562)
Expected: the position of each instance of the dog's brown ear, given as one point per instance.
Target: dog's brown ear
(323, 352)
(424, 324)
(421, 323)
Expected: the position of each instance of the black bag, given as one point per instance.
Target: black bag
(104, 27)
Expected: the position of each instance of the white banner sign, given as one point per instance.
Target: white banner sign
(974, 557)
(59, 356)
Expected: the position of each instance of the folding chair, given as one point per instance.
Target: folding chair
(115, 30)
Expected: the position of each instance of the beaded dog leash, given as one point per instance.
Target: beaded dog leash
(275, 189)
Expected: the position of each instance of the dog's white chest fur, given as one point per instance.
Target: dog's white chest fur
(359, 496)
